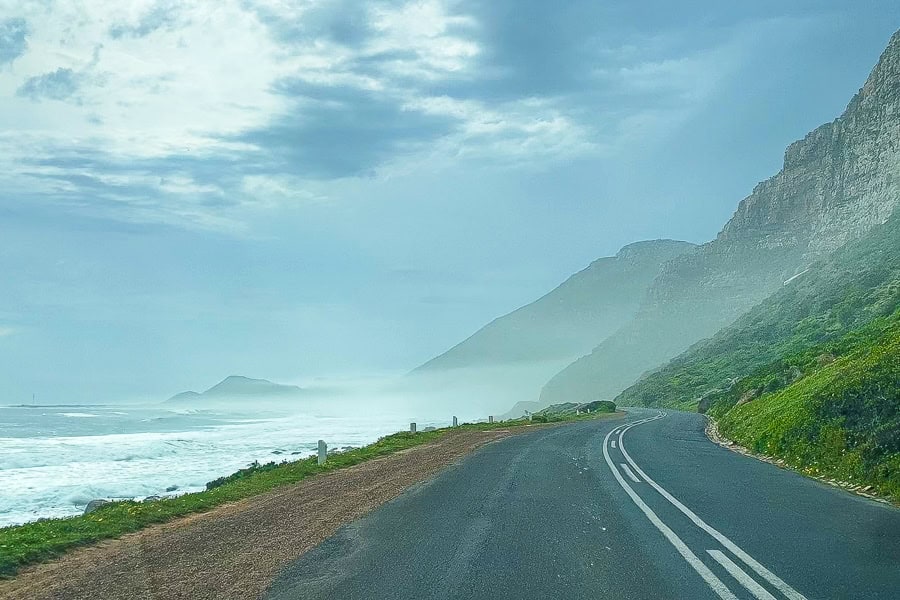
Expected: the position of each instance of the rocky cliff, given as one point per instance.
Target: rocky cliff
(836, 184)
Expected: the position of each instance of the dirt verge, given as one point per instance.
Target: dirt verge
(234, 551)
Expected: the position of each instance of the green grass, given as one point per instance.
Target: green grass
(832, 410)
(43, 540)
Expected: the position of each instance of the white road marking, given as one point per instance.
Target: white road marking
(613, 443)
(738, 573)
(629, 472)
(763, 572)
(708, 576)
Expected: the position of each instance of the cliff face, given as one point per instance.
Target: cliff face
(836, 184)
(838, 181)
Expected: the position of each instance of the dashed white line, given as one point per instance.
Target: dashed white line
(763, 572)
(708, 576)
(613, 443)
(738, 573)
(629, 472)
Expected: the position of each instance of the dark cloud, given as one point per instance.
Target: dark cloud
(341, 131)
(159, 17)
(12, 39)
(57, 85)
(345, 22)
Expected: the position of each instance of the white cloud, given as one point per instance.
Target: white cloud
(6, 331)
(122, 109)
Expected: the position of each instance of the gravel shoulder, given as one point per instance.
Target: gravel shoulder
(236, 550)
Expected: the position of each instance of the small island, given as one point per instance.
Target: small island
(237, 387)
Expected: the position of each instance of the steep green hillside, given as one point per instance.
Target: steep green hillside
(832, 409)
(853, 286)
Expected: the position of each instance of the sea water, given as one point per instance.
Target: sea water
(54, 460)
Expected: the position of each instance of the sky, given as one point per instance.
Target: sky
(319, 188)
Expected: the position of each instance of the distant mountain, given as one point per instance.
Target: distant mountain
(837, 183)
(236, 387)
(572, 318)
(509, 359)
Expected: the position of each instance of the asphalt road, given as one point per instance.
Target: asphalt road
(642, 507)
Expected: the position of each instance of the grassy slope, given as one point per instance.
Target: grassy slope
(43, 540)
(855, 285)
(830, 410)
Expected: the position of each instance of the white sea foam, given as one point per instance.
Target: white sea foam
(52, 475)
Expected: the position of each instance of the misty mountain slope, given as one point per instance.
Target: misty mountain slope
(236, 387)
(571, 319)
(837, 183)
(854, 285)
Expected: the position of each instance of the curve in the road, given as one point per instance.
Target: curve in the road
(690, 557)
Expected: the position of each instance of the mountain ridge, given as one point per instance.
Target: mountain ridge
(575, 318)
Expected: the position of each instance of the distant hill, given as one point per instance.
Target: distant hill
(571, 319)
(837, 183)
(509, 359)
(236, 387)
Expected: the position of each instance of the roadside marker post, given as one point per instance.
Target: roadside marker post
(412, 427)
(323, 452)
(455, 422)
(491, 419)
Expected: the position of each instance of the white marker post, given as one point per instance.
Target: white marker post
(491, 419)
(323, 452)
(455, 422)
(412, 427)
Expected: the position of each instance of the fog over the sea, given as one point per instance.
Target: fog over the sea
(319, 191)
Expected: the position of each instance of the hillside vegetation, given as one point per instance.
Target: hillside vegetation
(832, 409)
(854, 286)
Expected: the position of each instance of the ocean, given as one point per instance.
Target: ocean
(56, 459)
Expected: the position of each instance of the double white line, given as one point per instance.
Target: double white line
(720, 557)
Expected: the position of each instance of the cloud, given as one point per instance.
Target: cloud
(56, 85)
(6, 331)
(12, 39)
(160, 16)
(342, 131)
(189, 113)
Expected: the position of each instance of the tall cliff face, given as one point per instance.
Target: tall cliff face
(836, 184)
(838, 181)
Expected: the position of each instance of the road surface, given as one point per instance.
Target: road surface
(644, 507)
